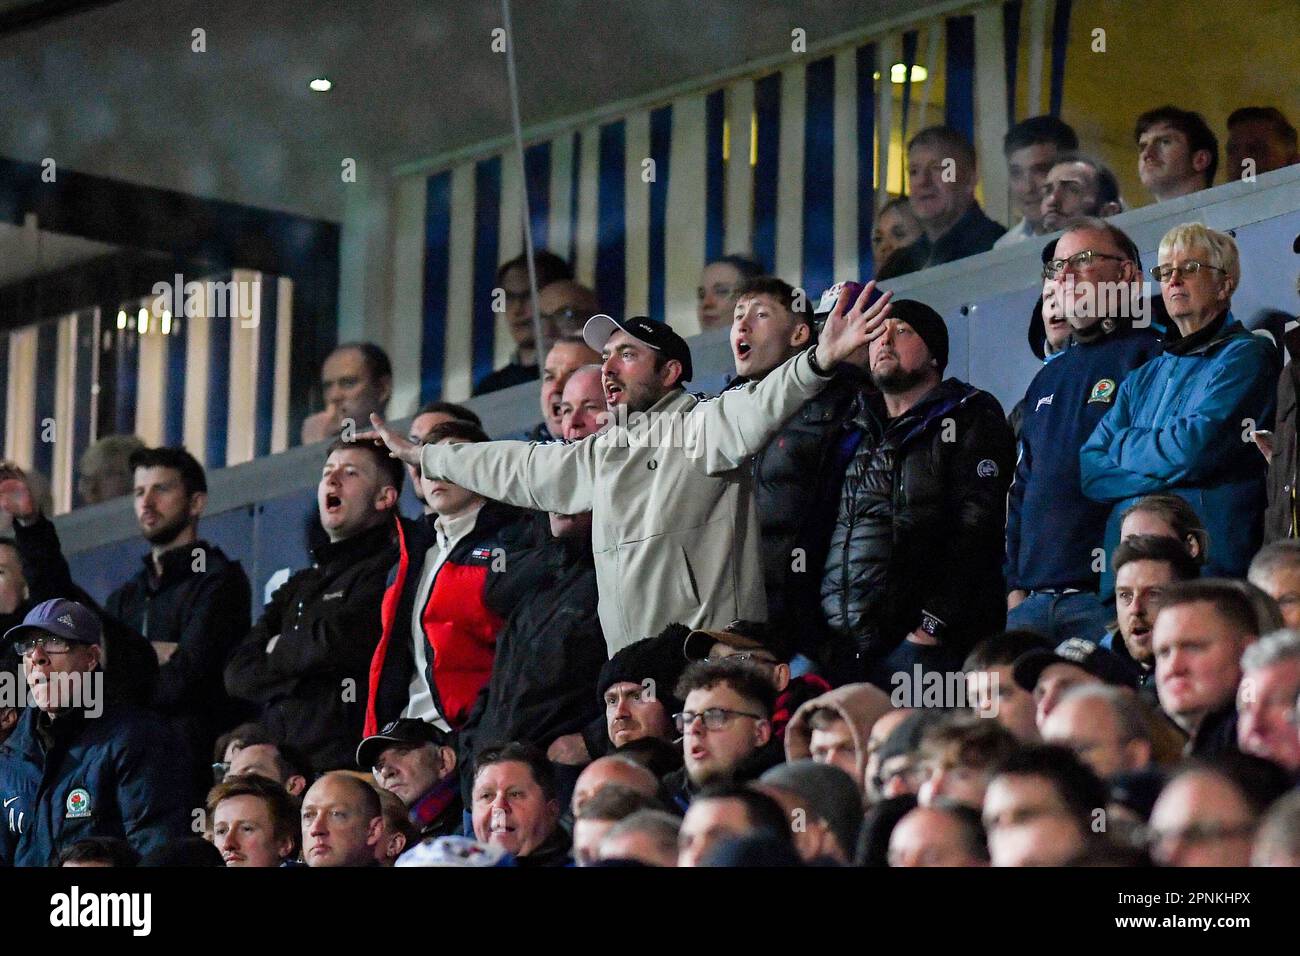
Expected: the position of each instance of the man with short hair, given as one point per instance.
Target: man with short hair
(1275, 570)
(697, 548)
(305, 661)
(725, 812)
(1176, 422)
(342, 822)
(648, 837)
(356, 381)
(834, 728)
(1177, 152)
(1267, 699)
(797, 474)
(516, 806)
(991, 686)
(190, 600)
(1208, 812)
(565, 356)
(566, 306)
(1144, 565)
(254, 821)
(416, 761)
(1079, 185)
(612, 771)
(1104, 726)
(1031, 147)
(914, 569)
(512, 282)
(957, 759)
(438, 637)
(943, 835)
(1260, 140)
(76, 766)
(825, 800)
(547, 595)
(942, 175)
(1053, 531)
(1048, 674)
(1201, 631)
(596, 817)
(1040, 808)
(726, 723)
(429, 417)
(263, 757)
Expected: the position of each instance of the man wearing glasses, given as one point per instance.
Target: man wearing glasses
(1054, 533)
(726, 727)
(1184, 422)
(76, 767)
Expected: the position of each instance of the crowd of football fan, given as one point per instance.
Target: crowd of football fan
(849, 611)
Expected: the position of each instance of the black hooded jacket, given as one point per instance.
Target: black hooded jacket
(550, 651)
(920, 527)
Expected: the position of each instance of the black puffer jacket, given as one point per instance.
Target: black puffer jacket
(311, 684)
(920, 527)
(550, 651)
(797, 477)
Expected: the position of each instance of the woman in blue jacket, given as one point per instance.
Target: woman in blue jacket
(1184, 422)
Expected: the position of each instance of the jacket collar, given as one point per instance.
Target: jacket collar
(435, 802)
(177, 563)
(453, 529)
(358, 546)
(1201, 342)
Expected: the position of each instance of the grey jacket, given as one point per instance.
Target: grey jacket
(674, 534)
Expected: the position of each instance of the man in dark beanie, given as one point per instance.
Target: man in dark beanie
(636, 692)
(914, 574)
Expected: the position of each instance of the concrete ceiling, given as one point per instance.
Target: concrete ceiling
(29, 252)
(115, 89)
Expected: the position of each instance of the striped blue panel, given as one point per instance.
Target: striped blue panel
(1011, 53)
(574, 178)
(661, 136)
(537, 180)
(819, 177)
(960, 82)
(487, 243)
(268, 323)
(1060, 46)
(127, 356)
(174, 402)
(47, 359)
(82, 425)
(767, 110)
(437, 259)
(611, 256)
(866, 66)
(218, 387)
(715, 112)
(909, 58)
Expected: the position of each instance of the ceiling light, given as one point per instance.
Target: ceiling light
(142, 321)
(121, 318)
(898, 73)
(320, 84)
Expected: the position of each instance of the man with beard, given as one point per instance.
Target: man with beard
(189, 599)
(673, 525)
(914, 570)
(1145, 565)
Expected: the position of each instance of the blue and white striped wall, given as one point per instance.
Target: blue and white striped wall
(220, 386)
(786, 166)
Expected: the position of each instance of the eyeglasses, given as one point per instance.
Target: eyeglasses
(569, 314)
(715, 718)
(51, 645)
(1055, 267)
(1195, 833)
(1165, 272)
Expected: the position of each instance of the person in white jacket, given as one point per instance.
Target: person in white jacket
(674, 533)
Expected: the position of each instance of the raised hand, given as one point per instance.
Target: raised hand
(852, 326)
(398, 445)
(15, 493)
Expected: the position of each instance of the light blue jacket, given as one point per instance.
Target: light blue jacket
(1183, 423)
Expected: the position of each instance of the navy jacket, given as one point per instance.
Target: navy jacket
(1182, 423)
(1052, 528)
(122, 774)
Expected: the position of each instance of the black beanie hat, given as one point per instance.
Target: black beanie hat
(657, 658)
(926, 323)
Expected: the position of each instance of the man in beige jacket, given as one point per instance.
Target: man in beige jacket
(674, 533)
